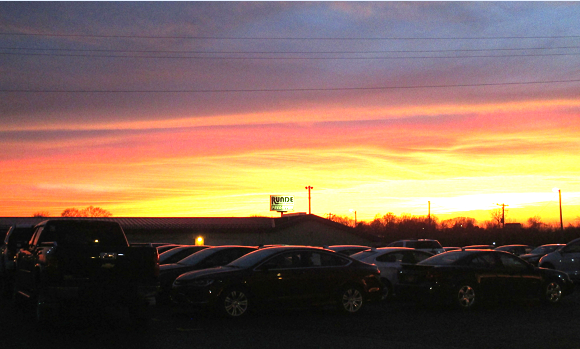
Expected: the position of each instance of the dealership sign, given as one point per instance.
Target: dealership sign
(281, 203)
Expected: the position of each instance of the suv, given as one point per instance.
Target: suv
(17, 237)
(427, 245)
(566, 259)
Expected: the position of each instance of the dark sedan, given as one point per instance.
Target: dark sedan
(208, 257)
(467, 277)
(288, 276)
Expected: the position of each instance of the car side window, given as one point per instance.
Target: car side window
(331, 260)
(419, 256)
(511, 262)
(483, 261)
(285, 260)
(573, 247)
(389, 257)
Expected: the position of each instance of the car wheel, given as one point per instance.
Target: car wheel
(234, 302)
(551, 292)
(351, 300)
(465, 296)
(387, 289)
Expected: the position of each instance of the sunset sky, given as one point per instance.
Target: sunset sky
(205, 109)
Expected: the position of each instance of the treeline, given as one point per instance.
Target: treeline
(460, 231)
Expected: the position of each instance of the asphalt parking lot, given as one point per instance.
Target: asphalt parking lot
(396, 325)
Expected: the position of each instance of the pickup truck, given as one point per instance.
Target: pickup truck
(86, 264)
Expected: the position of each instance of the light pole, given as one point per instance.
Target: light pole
(560, 200)
(309, 209)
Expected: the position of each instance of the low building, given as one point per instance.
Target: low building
(290, 230)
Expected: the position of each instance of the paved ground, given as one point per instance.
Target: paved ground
(526, 325)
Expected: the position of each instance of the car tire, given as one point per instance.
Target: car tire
(387, 290)
(465, 296)
(551, 292)
(234, 302)
(350, 300)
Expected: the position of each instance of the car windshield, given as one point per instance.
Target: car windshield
(446, 258)
(545, 249)
(364, 254)
(253, 258)
(199, 256)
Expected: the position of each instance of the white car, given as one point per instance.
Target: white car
(390, 261)
(566, 259)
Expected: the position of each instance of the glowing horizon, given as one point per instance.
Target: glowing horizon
(487, 127)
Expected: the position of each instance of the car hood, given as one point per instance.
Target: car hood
(208, 273)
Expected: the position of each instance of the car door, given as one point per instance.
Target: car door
(519, 278)
(484, 268)
(570, 259)
(283, 278)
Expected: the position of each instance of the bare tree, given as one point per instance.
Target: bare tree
(497, 216)
(41, 214)
(90, 211)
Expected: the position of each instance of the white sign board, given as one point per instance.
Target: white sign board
(281, 203)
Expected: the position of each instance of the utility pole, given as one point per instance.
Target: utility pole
(502, 214)
(560, 198)
(309, 208)
(429, 214)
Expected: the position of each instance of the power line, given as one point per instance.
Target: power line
(286, 38)
(291, 89)
(286, 58)
(291, 52)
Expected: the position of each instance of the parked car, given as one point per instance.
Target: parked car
(427, 245)
(206, 258)
(174, 255)
(84, 263)
(390, 261)
(566, 259)
(465, 278)
(287, 276)
(16, 237)
(534, 256)
(347, 250)
(517, 250)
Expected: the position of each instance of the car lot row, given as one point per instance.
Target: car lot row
(236, 279)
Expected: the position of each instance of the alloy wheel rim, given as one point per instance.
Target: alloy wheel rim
(553, 292)
(352, 300)
(236, 303)
(466, 296)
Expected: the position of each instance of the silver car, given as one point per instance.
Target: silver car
(390, 261)
(566, 259)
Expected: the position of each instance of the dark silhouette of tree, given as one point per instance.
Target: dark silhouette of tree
(90, 211)
(41, 214)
